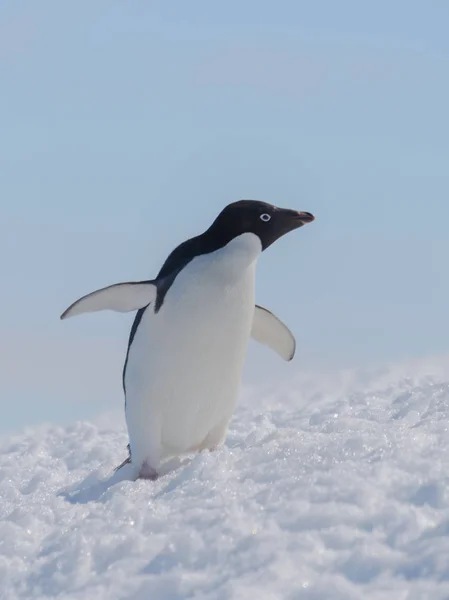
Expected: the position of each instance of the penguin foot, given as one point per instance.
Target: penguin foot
(147, 472)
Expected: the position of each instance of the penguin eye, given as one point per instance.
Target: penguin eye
(265, 217)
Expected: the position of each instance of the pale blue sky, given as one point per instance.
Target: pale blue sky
(126, 126)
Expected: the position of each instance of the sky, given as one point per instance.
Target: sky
(125, 129)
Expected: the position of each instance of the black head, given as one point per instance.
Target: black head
(266, 221)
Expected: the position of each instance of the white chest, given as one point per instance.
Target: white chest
(185, 363)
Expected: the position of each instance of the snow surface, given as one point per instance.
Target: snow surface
(328, 488)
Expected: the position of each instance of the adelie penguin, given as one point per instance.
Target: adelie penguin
(189, 339)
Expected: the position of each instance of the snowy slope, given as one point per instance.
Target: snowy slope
(329, 488)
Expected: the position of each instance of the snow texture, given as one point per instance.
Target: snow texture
(329, 487)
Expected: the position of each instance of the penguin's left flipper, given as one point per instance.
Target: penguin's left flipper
(267, 329)
(121, 297)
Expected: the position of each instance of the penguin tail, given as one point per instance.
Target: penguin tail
(126, 461)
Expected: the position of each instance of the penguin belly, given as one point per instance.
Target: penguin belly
(185, 365)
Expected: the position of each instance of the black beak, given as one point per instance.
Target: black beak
(292, 219)
(304, 217)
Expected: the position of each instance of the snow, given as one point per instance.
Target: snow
(329, 487)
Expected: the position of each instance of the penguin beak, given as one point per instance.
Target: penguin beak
(304, 217)
(292, 219)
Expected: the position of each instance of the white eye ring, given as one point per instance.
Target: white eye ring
(265, 217)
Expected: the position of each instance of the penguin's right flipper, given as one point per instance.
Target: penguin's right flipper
(270, 331)
(121, 297)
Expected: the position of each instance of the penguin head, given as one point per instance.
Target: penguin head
(265, 220)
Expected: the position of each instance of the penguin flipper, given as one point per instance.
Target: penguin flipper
(121, 297)
(267, 329)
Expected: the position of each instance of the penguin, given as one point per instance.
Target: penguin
(188, 342)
